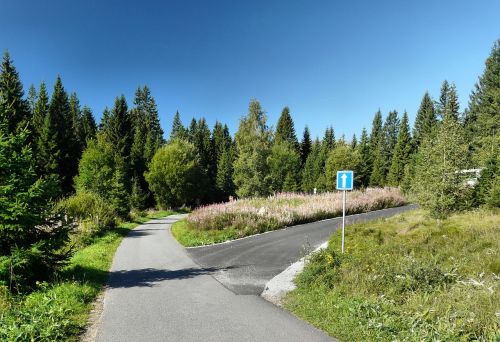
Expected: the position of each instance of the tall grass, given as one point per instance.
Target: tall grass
(407, 278)
(220, 222)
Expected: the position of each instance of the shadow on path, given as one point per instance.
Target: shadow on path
(149, 277)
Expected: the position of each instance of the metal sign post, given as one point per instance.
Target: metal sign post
(345, 181)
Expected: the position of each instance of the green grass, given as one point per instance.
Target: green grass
(407, 278)
(190, 237)
(59, 310)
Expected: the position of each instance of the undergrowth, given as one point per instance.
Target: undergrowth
(58, 310)
(407, 278)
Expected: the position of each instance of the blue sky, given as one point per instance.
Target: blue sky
(332, 62)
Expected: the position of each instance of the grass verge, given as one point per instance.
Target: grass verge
(406, 278)
(59, 310)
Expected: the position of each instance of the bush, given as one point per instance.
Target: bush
(90, 211)
(174, 174)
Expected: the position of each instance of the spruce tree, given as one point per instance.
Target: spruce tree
(31, 100)
(402, 153)
(376, 131)
(13, 108)
(425, 121)
(40, 113)
(178, 130)
(154, 132)
(253, 138)
(364, 168)
(438, 182)
(305, 145)
(329, 139)
(89, 127)
(389, 139)
(75, 124)
(354, 141)
(207, 161)
(118, 130)
(104, 123)
(284, 167)
(66, 141)
(193, 126)
(312, 169)
(221, 139)
(224, 179)
(377, 177)
(443, 100)
(31, 235)
(483, 115)
(285, 130)
(452, 108)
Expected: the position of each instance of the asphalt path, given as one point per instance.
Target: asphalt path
(159, 291)
(244, 266)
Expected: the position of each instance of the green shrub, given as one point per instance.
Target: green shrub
(174, 174)
(90, 211)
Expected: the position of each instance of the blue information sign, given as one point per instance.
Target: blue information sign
(345, 180)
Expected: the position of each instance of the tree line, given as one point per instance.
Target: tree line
(57, 165)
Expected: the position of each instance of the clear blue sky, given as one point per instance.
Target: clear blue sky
(332, 62)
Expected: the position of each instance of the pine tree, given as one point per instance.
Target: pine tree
(483, 115)
(305, 145)
(402, 153)
(14, 110)
(253, 138)
(285, 130)
(364, 168)
(88, 124)
(178, 130)
(425, 121)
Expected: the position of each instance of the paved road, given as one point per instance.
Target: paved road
(156, 291)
